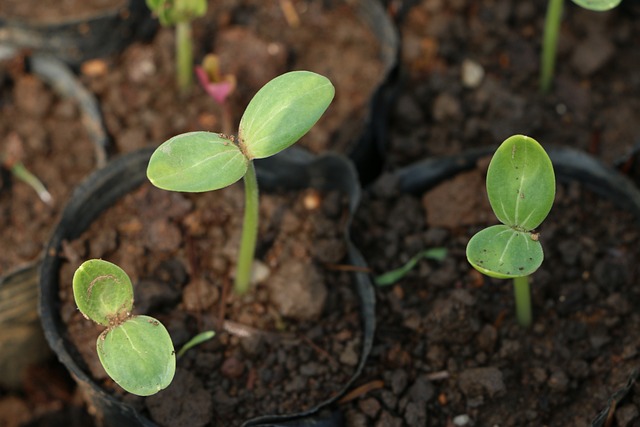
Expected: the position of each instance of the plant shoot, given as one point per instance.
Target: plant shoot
(521, 188)
(135, 351)
(278, 115)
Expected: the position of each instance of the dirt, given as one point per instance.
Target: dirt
(289, 344)
(256, 43)
(45, 133)
(449, 351)
(54, 12)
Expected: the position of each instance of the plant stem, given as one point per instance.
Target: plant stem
(550, 43)
(522, 295)
(184, 56)
(249, 231)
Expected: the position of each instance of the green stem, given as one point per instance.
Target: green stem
(550, 43)
(522, 295)
(249, 231)
(184, 56)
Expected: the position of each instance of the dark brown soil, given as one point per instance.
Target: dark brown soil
(448, 349)
(288, 345)
(56, 11)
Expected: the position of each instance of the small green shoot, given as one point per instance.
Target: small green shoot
(552, 29)
(391, 277)
(278, 115)
(197, 340)
(521, 188)
(180, 13)
(135, 351)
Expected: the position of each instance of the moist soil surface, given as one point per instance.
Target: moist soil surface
(291, 343)
(442, 107)
(448, 349)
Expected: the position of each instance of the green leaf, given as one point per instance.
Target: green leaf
(196, 162)
(102, 291)
(283, 111)
(391, 277)
(170, 12)
(138, 355)
(502, 252)
(597, 5)
(197, 340)
(520, 183)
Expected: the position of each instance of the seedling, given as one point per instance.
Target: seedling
(391, 277)
(180, 13)
(11, 160)
(218, 86)
(135, 351)
(551, 30)
(521, 187)
(278, 115)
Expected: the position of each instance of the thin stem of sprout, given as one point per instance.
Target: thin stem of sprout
(23, 174)
(550, 43)
(184, 56)
(249, 231)
(522, 295)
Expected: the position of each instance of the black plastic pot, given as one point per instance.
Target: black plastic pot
(76, 39)
(294, 170)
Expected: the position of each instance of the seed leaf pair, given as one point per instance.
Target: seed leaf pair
(135, 351)
(521, 190)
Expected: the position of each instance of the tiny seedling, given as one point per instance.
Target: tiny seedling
(552, 29)
(521, 187)
(135, 351)
(218, 86)
(391, 277)
(180, 13)
(278, 115)
(11, 160)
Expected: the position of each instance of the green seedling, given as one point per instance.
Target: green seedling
(135, 351)
(552, 29)
(391, 277)
(197, 340)
(180, 13)
(218, 86)
(11, 160)
(278, 115)
(521, 187)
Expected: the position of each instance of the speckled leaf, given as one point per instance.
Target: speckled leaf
(283, 111)
(102, 291)
(597, 5)
(196, 162)
(502, 252)
(521, 183)
(138, 355)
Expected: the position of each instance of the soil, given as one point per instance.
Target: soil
(449, 351)
(288, 345)
(56, 11)
(45, 133)
(142, 106)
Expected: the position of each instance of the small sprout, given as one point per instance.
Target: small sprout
(521, 190)
(552, 29)
(11, 159)
(278, 115)
(135, 351)
(180, 13)
(391, 277)
(218, 87)
(197, 340)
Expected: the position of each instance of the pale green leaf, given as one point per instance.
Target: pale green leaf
(102, 291)
(138, 355)
(197, 340)
(521, 183)
(597, 5)
(196, 162)
(391, 277)
(283, 111)
(502, 252)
